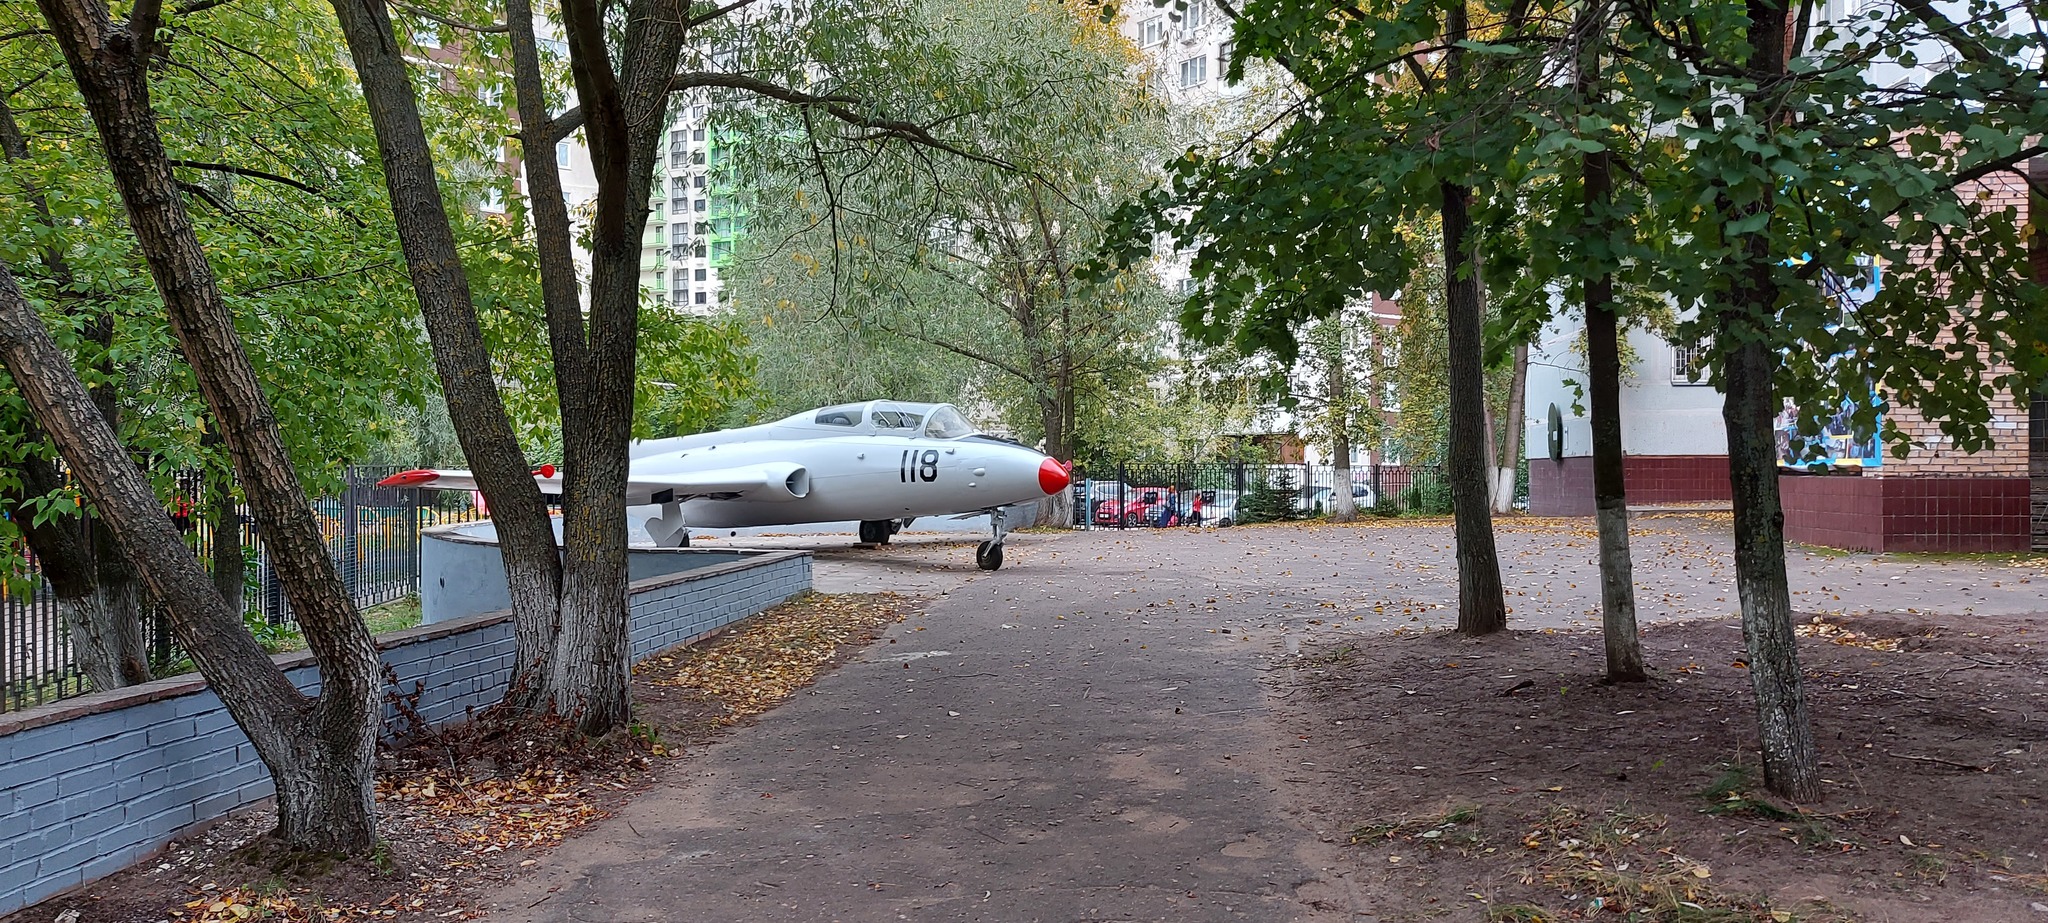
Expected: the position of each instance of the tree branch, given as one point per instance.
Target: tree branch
(248, 172)
(451, 23)
(717, 12)
(198, 6)
(837, 106)
(227, 211)
(142, 23)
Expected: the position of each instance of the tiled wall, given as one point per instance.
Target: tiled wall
(91, 785)
(1906, 513)
(1837, 511)
(1561, 488)
(1676, 478)
(1565, 488)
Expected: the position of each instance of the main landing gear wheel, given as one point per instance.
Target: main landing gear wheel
(989, 556)
(877, 531)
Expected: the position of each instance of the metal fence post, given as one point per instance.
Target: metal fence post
(1123, 477)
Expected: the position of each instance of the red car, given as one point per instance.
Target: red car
(1140, 507)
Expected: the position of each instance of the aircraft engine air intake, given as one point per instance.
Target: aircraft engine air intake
(798, 483)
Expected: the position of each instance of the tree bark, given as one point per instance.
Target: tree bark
(1342, 507)
(331, 738)
(230, 562)
(1603, 368)
(1749, 367)
(97, 595)
(526, 536)
(1482, 605)
(1508, 466)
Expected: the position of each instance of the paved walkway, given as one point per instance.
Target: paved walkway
(1084, 736)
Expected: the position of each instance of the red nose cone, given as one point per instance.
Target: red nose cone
(1051, 477)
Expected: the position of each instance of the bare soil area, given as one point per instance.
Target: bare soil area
(466, 810)
(1499, 779)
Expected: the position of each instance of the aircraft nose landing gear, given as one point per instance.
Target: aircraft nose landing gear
(877, 531)
(989, 555)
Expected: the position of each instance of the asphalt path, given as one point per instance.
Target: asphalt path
(1085, 735)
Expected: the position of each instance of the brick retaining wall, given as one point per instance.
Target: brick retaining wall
(89, 786)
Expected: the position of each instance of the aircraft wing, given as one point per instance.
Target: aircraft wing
(769, 481)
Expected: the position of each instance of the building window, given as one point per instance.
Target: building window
(700, 274)
(1194, 71)
(1154, 31)
(1198, 16)
(657, 234)
(698, 252)
(1187, 286)
(699, 205)
(1224, 52)
(697, 157)
(427, 38)
(700, 297)
(1688, 360)
(698, 181)
(562, 154)
(660, 278)
(658, 209)
(698, 112)
(703, 228)
(697, 134)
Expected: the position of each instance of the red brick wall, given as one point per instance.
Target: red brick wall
(1906, 513)
(1840, 511)
(1565, 488)
(1676, 478)
(1561, 488)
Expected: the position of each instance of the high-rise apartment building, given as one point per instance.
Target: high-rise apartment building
(696, 220)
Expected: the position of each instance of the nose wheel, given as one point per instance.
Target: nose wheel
(989, 554)
(878, 531)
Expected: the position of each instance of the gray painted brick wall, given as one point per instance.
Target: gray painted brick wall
(92, 785)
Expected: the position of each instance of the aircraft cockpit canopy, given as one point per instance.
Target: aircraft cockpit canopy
(933, 421)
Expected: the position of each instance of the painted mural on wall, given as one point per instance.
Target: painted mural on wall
(1840, 443)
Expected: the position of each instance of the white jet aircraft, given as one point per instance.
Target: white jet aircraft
(883, 463)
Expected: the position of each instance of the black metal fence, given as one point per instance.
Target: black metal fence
(372, 533)
(1137, 494)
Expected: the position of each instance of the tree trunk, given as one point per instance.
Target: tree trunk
(1056, 511)
(1749, 368)
(1508, 466)
(1603, 367)
(1482, 606)
(109, 63)
(1342, 507)
(96, 597)
(230, 562)
(526, 536)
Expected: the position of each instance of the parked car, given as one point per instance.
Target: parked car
(1090, 493)
(1136, 504)
(1315, 501)
(1219, 507)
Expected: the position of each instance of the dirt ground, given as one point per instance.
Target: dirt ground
(1499, 779)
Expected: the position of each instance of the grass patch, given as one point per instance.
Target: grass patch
(1421, 828)
(1729, 796)
(1618, 864)
(396, 615)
